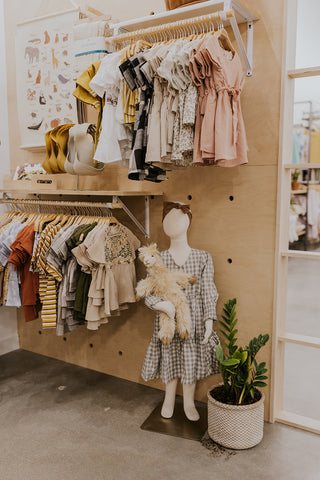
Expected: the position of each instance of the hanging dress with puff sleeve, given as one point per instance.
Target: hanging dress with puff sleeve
(220, 136)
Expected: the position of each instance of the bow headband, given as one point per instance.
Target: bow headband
(168, 206)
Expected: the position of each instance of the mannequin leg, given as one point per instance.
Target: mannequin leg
(169, 399)
(188, 402)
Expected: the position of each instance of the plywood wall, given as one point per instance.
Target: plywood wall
(242, 230)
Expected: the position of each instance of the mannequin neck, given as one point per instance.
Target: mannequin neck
(179, 248)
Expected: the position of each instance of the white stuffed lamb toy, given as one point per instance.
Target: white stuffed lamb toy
(166, 285)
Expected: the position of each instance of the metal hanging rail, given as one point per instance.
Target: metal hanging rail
(228, 12)
(116, 203)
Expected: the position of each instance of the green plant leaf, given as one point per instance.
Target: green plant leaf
(259, 384)
(219, 353)
(252, 393)
(225, 326)
(261, 377)
(244, 356)
(225, 335)
(232, 334)
(233, 324)
(229, 362)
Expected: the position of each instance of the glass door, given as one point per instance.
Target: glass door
(296, 344)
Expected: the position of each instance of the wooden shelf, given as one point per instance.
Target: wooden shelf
(300, 340)
(301, 254)
(242, 12)
(91, 193)
(299, 192)
(301, 166)
(304, 72)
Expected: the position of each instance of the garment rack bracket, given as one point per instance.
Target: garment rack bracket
(240, 14)
(116, 203)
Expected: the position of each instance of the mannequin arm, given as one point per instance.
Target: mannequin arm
(208, 331)
(183, 279)
(166, 307)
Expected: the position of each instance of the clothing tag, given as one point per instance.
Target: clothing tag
(109, 101)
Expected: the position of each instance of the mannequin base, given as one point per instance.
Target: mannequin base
(178, 425)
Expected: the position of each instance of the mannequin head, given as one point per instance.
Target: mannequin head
(177, 221)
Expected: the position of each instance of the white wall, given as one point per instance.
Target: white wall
(8, 316)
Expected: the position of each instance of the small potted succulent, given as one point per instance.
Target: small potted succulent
(295, 185)
(236, 406)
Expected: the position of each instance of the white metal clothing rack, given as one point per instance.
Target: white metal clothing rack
(116, 203)
(229, 12)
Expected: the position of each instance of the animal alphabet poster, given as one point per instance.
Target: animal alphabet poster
(45, 80)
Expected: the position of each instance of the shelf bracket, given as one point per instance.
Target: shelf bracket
(144, 229)
(246, 56)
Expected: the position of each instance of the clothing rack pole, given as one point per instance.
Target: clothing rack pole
(228, 14)
(173, 26)
(58, 203)
(116, 203)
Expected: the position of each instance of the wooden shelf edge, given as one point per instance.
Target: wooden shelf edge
(300, 340)
(304, 72)
(96, 193)
(303, 166)
(301, 254)
(242, 11)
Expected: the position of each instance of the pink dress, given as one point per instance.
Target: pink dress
(220, 136)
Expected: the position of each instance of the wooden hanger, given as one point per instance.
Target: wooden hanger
(224, 40)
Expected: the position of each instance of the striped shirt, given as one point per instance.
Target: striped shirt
(130, 99)
(47, 281)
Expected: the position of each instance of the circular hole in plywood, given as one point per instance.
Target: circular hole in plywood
(231, 198)
(91, 345)
(120, 353)
(64, 339)
(229, 260)
(40, 333)
(189, 197)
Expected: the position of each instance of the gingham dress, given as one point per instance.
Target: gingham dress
(188, 360)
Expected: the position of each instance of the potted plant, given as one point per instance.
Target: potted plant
(236, 406)
(295, 185)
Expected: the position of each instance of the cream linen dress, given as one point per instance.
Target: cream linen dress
(108, 253)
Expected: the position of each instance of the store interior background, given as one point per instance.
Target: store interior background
(243, 230)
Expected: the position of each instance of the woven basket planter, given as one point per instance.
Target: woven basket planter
(235, 426)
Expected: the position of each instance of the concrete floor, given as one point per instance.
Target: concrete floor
(91, 430)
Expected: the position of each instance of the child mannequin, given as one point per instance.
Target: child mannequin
(176, 221)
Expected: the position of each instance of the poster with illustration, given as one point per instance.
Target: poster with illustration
(45, 78)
